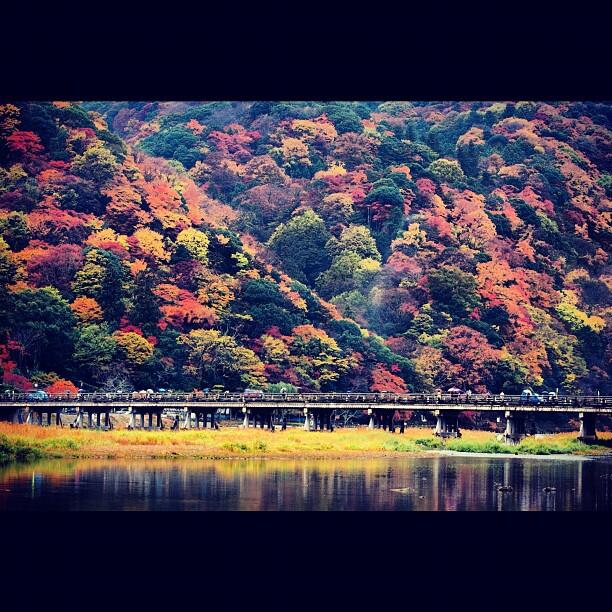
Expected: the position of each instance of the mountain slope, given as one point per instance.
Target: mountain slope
(197, 243)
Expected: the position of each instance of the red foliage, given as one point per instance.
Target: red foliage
(384, 381)
(62, 387)
(56, 225)
(24, 143)
(53, 265)
(20, 383)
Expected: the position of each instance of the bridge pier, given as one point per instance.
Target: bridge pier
(144, 416)
(306, 420)
(263, 416)
(78, 420)
(99, 413)
(12, 416)
(446, 424)
(515, 427)
(371, 424)
(36, 414)
(384, 419)
(588, 431)
(322, 420)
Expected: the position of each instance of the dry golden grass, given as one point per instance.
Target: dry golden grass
(234, 442)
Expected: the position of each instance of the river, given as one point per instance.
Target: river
(432, 482)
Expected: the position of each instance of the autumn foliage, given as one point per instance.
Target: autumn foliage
(386, 247)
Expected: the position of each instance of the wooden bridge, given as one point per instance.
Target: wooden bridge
(317, 408)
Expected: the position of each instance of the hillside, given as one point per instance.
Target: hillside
(329, 246)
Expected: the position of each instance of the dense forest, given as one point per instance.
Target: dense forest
(394, 246)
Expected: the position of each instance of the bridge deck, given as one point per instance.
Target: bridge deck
(321, 401)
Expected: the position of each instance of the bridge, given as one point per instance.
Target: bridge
(317, 408)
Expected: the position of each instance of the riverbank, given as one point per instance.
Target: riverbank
(30, 442)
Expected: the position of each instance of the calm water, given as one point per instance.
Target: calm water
(423, 483)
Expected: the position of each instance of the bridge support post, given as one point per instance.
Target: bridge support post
(90, 420)
(371, 423)
(245, 421)
(515, 427)
(446, 424)
(588, 432)
(14, 416)
(306, 420)
(132, 422)
(78, 419)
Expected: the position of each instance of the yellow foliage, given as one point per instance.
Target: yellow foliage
(577, 319)
(107, 235)
(195, 243)
(312, 130)
(137, 350)
(293, 149)
(336, 169)
(9, 118)
(274, 349)
(151, 243)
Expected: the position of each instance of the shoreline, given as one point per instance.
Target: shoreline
(28, 442)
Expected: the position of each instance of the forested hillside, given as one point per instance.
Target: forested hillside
(330, 246)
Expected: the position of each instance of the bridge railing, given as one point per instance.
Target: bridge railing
(401, 399)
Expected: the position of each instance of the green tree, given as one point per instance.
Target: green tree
(7, 275)
(43, 324)
(356, 239)
(344, 119)
(96, 164)
(102, 277)
(300, 243)
(213, 358)
(94, 350)
(14, 229)
(469, 157)
(347, 272)
(144, 309)
(453, 290)
(446, 171)
(385, 191)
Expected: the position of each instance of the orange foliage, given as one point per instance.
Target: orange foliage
(62, 387)
(87, 310)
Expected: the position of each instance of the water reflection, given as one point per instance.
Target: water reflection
(421, 483)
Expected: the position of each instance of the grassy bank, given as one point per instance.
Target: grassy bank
(27, 442)
(18, 449)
